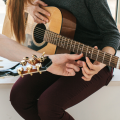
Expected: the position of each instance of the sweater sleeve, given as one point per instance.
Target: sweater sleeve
(105, 22)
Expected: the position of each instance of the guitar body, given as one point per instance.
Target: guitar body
(61, 22)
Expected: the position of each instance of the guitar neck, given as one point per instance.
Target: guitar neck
(78, 48)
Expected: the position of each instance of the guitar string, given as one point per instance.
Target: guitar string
(43, 35)
(77, 46)
(64, 42)
(39, 30)
(94, 56)
(42, 30)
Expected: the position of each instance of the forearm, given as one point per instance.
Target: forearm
(14, 51)
(109, 50)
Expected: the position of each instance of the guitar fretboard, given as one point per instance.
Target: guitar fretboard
(78, 48)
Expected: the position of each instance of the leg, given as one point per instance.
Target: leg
(68, 91)
(26, 91)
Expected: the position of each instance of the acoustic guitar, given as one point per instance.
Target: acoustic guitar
(57, 37)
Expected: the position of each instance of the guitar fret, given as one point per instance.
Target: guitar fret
(50, 38)
(110, 60)
(87, 50)
(55, 39)
(62, 42)
(58, 37)
(70, 45)
(100, 56)
(114, 61)
(78, 48)
(97, 55)
(74, 47)
(67, 43)
(47, 36)
(82, 48)
(107, 58)
(103, 57)
(118, 63)
(92, 53)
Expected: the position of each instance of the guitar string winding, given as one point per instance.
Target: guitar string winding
(40, 31)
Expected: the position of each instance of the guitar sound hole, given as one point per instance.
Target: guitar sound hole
(39, 32)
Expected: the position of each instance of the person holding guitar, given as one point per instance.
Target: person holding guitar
(47, 96)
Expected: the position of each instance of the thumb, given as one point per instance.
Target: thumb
(74, 56)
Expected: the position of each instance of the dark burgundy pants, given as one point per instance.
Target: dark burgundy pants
(47, 96)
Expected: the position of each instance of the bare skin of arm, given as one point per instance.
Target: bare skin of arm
(62, 64)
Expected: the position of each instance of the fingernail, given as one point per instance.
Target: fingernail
(48, 14)
(86, 58)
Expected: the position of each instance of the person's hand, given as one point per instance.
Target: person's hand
(37, 12)
(65, 64)
(92, 70)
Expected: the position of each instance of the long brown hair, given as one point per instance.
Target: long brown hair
(15, 11)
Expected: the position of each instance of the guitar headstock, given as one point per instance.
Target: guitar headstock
(36, 64)
(30, 69)
(27, 66)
